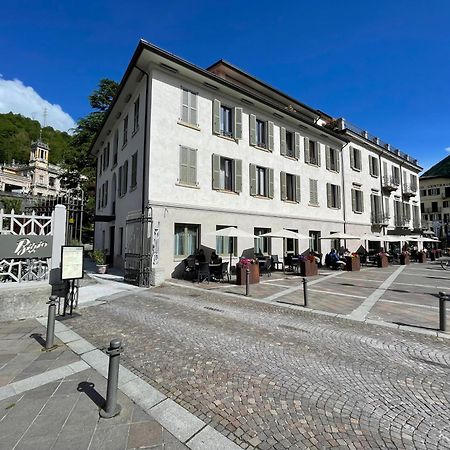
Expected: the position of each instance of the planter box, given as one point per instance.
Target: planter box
(352, 263)
(433, 255)
(382, 261)
(241, 274)
(421, 257)
(404, 259)
(308, 268)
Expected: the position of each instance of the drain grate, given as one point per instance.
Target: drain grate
(214, 309)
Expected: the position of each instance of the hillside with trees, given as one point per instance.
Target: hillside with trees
(17, 132)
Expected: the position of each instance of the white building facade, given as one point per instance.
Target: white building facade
(197, 150)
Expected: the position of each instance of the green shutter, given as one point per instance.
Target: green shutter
(215, 171)
(327, 157)
(252, 129)
(216, 116)
(270, 187)
(184, 164)
(237, 171)
(283, 141)
(297, 145)
(297, 189)
(307, 150)
(283, 185)
(252, 179)
(238, 123)
(270, 141)
(192, 168)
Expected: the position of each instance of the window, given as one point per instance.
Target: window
(225, 245)
(416, 216)
(120, 241)
(100, 163)
(51, 182)
(434, 191)
(262, 244)
(312, 152)
(313, 194)
(99, 199)
(447, 192)
(357, 201)
(434, 207)
(333, 196)
(423, 192)
(115, 147)
(227, 174)
(107, 154)
(291, 245)
(125, 131)
(396, 175)
(189, 107)
(261, 133)
(188, 166)
(134, 161)
(290, 187)
(136, 116)
(332, 156)
(407, 213)
(186, 239)
(289, 143)
(105, 193)
(413, 182)
(375, 204)
(397, 213)
(355, 158)
(123, 179)
(374, 168)
(261, 181)
(104, 159)
(227, 121)
(315, 241)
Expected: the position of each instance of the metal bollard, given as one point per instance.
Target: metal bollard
(247, 282)
(112, 408)
(50, 338)
(305, 292)
(442, 311)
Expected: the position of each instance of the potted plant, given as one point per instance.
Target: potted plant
(99, 257)
(308, 266)
(241, 271)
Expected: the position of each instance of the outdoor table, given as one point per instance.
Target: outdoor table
(352, 263)
(215, 269)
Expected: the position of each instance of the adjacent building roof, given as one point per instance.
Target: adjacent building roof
(441, 169)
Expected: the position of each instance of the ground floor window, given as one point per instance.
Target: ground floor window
(225, 245)
(262, 244)
(291, 245)
(186, 239)
(315, 241)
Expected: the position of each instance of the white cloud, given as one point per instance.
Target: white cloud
(447, 149)
(20, 99)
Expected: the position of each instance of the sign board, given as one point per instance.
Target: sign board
(23, 247)
(71, 262)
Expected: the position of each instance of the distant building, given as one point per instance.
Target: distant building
(37, 178)
(435, 198)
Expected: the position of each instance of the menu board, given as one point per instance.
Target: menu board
(71, 262)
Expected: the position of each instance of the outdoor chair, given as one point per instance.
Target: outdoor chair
(203, 272)
(224, 272)
(276, 263)
(189, 267)
(264, 266)
(288, 262)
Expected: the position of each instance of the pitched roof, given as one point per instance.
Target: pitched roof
(441, 169)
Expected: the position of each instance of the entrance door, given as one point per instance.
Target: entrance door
(112, 233)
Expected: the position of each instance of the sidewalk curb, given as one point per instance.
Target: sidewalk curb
(178, 421)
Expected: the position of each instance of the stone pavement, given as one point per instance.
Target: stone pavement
(270, 375)
(51, 400)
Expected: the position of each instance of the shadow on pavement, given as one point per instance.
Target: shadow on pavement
(88, 389)
(38, 338)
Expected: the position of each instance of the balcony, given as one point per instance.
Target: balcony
(409, 190)
(432, 210)
(379, 219)
(390, 183)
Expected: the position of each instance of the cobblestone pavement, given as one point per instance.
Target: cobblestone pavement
(271, 377)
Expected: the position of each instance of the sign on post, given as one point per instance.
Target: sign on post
(30, 246)
(71, 262)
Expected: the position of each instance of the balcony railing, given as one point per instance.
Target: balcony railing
(379, 219)
(409, 190)
(432, 210)
(390, 183)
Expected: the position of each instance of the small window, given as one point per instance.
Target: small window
(107, 154)
(445, 204)
(333, 196)
(226, 121)
(188, 107)
(355, 158)
(136, 115)
(290, 144)
(226, 174)
(123, 179)
(332, 156)
(51, 182)
(357, 201)
(261, 133)
(186, 239)
(115, 147)
(125, 131)
(104, 159)
(396, 175)
(261, 181)
(262, 244)
(373, 166)
(314, 153)
(290, 187)
(134, 161)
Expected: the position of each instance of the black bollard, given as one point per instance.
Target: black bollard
(112, 408)
(50, 338)
(305, 292)
(247, 282)
(442, 311)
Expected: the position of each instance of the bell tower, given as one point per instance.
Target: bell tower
(39, 153)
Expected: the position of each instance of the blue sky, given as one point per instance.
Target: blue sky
(384, 65)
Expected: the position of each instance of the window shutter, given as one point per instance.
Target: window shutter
(377, 167)
(313, 195)
(215, 171)
(327, 157)
(283, 185)
(125, 177)
(270, 189)
(237, 172)
(352, 158)
(386, 207)
(297, 145)
(307, 150)
(371, 165)
(362, 201)
(283, 141)
(338, 161)
(318, 145)
(329, 197)
(193, 108)
(252, 179)
(238, 123)
(372, 204)
(216, 116)
(184, 105)
(353, 200)
(184, 166)
(270, 141)
(385, 170)
(338, 197)
(358, 159)
(297, 189)
(192, 168)
(253, 130)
